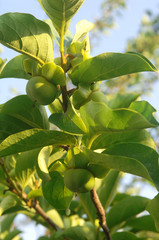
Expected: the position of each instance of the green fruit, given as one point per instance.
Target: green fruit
(97, 171)
(40, 90)
(79, 180)
(53, 73)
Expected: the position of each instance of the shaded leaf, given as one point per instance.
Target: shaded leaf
(67, 38)
(34, 138)
(148, 157)
(11, 235)
(110, 65)
(125, 236)
(144, 223)
(56, 193)
(145, 109)
(108, 188)
(28, 35)
(106, 139)
(10, 125)
(7, 202)
(22, 108)
(7, 222)
(80, 232)
(153, 209)
(99, 119)
(69, 121)
(61, 12)
(122, 100)
(133, 205)
(25, 167)
(15, 68)
(132, 158)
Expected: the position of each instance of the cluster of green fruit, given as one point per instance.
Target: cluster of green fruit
(43, 85)
(81, 174)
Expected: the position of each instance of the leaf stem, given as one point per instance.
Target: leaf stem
(100, 213)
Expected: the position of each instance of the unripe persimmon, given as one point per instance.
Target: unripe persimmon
(79, 180)
(41, 90)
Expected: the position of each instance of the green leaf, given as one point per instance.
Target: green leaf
(7, 202)
(132, 158)
(56, 193)
(144, 155)
(69, 121)
(81, 95)
(27, 35)
(61, 12)
(56, 106)
(133, 205)
(122, 100)
(12, 235)
(81, 29)
(32, 139)
(153, 209)
(10, 125)
(67, 38)
(22, 108)
(85, 232)
(88, 206)
(42, 163)
(110, 65)
(15, 68)
(106, 139)
(53, 214)
(145, 109)
(144, 223)
(99, 118)
(124, 236)
(35, 193)
(25, 167)
(108, 188)
(7, 222)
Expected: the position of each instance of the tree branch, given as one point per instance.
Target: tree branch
(33, 204)
(100, 213)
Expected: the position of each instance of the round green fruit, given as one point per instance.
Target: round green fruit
(97, 171)
(79, 180)
(40, 90)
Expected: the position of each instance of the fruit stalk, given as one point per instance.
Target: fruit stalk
(100, 213)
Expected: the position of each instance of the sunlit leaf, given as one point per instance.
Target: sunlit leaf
(82, 28)
(61, 12)
(110, 65)
(34, 138)
(27, 35)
